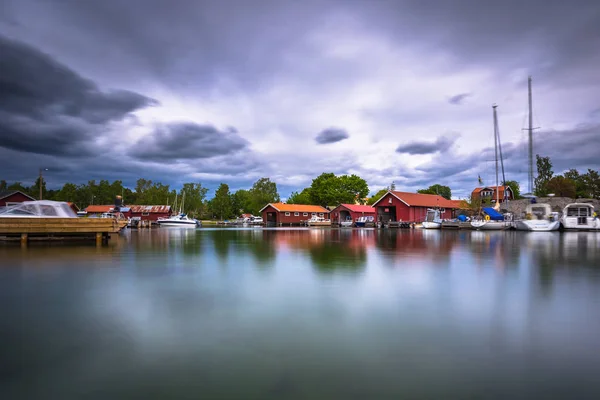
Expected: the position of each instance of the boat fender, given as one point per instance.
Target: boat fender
(487, 217)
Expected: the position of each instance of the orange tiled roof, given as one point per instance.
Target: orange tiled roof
(478, 190)
(98, 209)
(296, 207)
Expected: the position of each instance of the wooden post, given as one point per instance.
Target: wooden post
(98, 238)
(24, 238)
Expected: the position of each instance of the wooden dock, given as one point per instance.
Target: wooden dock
(24, 229)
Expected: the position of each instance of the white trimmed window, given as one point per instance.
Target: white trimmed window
(305, 214)
(287, 214)
(390, 199)
(145, 214)
(296, 214)
(313, 213)
(442, 210)
(320, 214)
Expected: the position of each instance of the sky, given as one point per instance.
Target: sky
(231, 91)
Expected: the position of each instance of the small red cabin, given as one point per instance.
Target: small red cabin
(412, 207)
(277, 214)
(149, 213)
(351, 212)
(13, 197)
(489, 193)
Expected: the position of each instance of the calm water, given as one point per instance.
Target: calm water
(303, 314)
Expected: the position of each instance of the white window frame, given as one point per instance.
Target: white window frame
(12, 203)
(287, 214)
(296, 214)
(145, 214)
(313, 213)
(305, 214)
(320, 214)
(442, 210)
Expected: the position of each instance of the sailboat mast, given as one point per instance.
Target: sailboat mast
(530, 129)
(496, 151)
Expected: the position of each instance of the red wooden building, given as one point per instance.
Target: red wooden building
(148, 213)
(277, 214)
(412, 207)
(345, 212)
(489, 193)
(98, 209)
(13, 197)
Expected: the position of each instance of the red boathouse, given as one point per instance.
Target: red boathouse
(345, 212)
(412, 207)
(277, 214)
(13, 197)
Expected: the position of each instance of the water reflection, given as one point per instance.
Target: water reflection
(303, 313)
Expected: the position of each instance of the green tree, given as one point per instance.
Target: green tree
(328, 189)
(438, 189)
(221, 205)
(574, 175)
(544, 174)
(3, 185)
(263, 192)
(591, 181)
(241, 201)
(195, 195)
(515, 188)
(377, 196)
(561, 186)
(302, 197)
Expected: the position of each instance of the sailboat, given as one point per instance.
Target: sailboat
(181, 219)
(538, 216)
(493, 220)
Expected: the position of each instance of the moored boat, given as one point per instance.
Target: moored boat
(364, 221)
(539, 218)
(318, 221)
(492, 220)
(433, 219)
(580, 217)
(181, 220)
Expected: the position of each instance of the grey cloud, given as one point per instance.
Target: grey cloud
(47, 108)
(331, 135)
(459, 98)
(441, 144)
(186, 140)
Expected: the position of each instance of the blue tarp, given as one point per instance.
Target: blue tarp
(494, 215)
(462, 218)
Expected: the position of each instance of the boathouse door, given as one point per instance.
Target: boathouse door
(386, 213)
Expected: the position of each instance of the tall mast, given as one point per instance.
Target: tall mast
(530, 129)
(496, 151)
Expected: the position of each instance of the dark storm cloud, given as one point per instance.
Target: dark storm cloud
(331, 135)
(441, 144)
(459, 98)
(47, 108)
(187, 140)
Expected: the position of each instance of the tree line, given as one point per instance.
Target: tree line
(570, 184)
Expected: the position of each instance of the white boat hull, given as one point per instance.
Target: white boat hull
(319, 223)
(431, 225)
(190, 224)
(572, 224)
(537, 225)
(490, 225)
(346, 224)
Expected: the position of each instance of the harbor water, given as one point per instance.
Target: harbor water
(303, 314)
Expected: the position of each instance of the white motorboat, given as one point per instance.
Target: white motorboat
(318, 221)
(539, 218)
(581, 217)
(254, 220)
(39, 209)
(433, 219)
(347, 223)
(181, 220)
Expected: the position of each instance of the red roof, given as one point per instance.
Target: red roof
(478, 190)
(150, 209)
(358, 208)
(423, 200)
(98, 209)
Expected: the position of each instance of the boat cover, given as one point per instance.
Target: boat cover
(494, 215)
(462, 218)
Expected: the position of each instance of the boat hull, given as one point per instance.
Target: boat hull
(537, 225)
(490, 225)
(346, 224)
(571, 224)
(318, 223)
(183, 224)
(431, 225)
